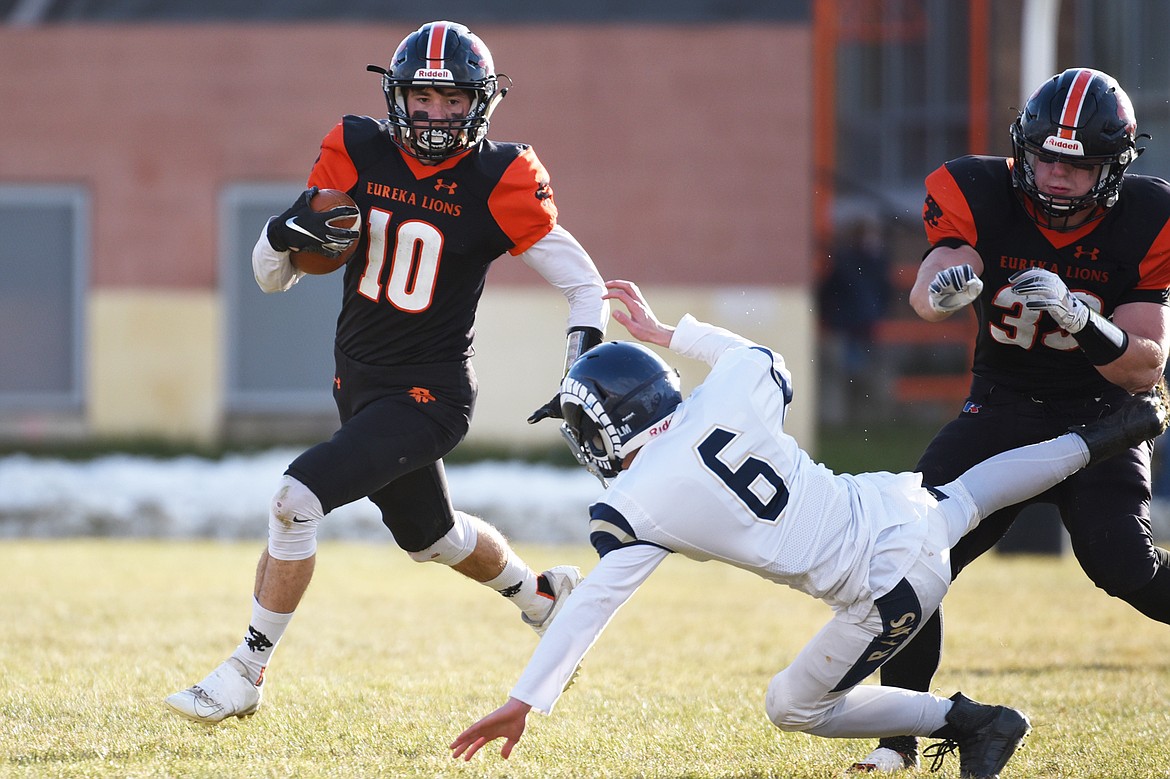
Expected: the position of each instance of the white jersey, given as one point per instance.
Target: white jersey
(725, 482)
(741, 490)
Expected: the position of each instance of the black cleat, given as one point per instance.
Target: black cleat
(987, 737)
(1140, 418)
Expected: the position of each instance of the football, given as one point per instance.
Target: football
(316, 263)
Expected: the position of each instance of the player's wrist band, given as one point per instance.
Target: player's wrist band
(580, 340)
(1101, 340)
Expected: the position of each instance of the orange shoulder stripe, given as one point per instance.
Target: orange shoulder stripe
(333, 168)
(1154, 270)
(522, 202)
(946, 213)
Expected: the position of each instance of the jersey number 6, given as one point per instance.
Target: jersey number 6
(741, 480)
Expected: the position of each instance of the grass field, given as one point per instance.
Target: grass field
(388, 660)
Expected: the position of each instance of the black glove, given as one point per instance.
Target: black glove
(550, 410)
(580, 340)
(300, 227)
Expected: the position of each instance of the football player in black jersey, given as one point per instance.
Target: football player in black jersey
(1066, 260)
(438, 203)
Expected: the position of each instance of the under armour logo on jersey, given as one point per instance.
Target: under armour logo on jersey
(257, 641)
(931, 211)
(420, 394)
(450, 187)
(1090, 253)
(543, 191)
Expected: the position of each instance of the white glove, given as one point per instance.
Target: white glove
(954, 288)
(1044, 291)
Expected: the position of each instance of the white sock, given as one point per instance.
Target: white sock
(264, 633)
(518, 583)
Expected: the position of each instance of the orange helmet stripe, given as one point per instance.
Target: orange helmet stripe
(1073, 103)
(435, 45)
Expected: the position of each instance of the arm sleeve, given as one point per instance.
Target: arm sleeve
(565, 264)
(585, 615)
(702, 341)
(273, 270)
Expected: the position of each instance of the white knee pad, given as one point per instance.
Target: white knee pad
(453, 548)
(292, 521)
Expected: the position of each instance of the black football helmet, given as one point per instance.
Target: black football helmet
(440, 54)
(615, 398)
(1084, 118)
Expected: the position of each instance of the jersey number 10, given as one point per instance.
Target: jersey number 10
(414, 263)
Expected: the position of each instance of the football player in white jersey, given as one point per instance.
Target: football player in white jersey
(716, 477)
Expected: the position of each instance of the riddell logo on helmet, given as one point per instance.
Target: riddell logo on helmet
(1066, 145)
(660, 428)
(433, 75)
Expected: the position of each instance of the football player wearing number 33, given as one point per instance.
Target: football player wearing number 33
(438, 204)
(715, 477)
(1065, 258)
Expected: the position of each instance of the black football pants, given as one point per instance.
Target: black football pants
(396, 425)
(1105, 509)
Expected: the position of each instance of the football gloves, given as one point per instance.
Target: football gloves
(300, 227)
(954, 288)
(550, 410)
(1043, 290)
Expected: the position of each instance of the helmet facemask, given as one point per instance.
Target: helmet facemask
(592, 441)
(434, 140)
(1055, 212)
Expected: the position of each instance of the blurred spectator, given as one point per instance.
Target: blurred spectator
(853, 297)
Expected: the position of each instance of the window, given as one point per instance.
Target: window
(1127, 41)
(901, 98)
(279, 347)
(43, 261)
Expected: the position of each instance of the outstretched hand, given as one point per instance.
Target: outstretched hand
(506, 722)
(550, 410)
(640, 320)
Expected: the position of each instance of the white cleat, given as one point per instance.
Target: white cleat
(226, 692)
(562, 580)
(883, 761)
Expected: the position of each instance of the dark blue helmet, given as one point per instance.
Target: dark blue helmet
(615, 398)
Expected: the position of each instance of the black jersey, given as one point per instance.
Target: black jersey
(1122, 258)
(430, 233)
